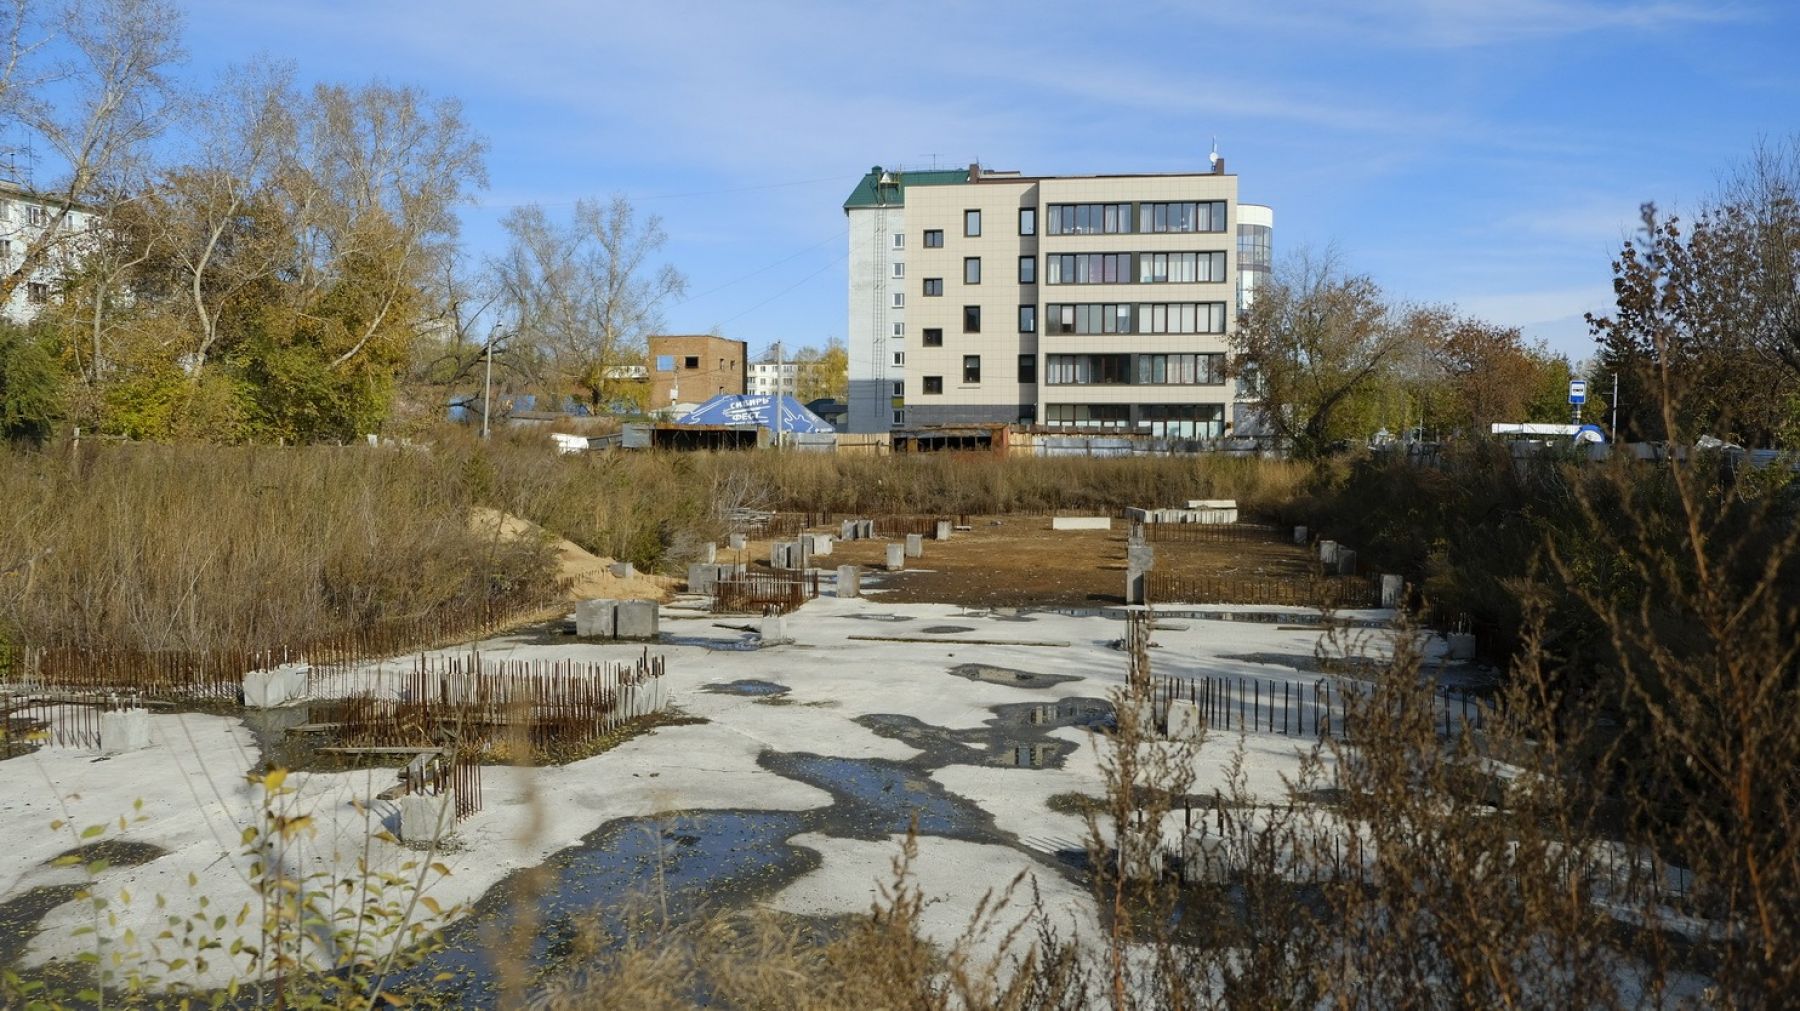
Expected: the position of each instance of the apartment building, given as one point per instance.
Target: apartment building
(768, 378)
(1080, 302)
(24, 217)
(688, 370)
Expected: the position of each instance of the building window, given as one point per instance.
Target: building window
(1089, 219)
(1088, 268)
(971, 319)
(691, 362)
(934, 286)
(1180, 268)
(1189, 216)
(1027, 270)
(934, 337)
(1028, 221)
(899, 358)
(1183, 421)
(934, 238)
(1207, 369)
(5, 249)
(1087, 415)
(1181, 317)
(37, 293)
(899, 300)
(899, 329)
(972, 223)
(899, 270)
(899, 417)
(1090, 318)
(934, 384)
(899, 240)
(971, 270)
(665, 363)
(1028, 319)
(900, 388)
(35, 215)
(1028, 368)
(972, 369)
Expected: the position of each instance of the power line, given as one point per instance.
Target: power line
(759, 270)
(834, 262)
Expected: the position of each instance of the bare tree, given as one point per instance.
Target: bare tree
(586, 292)
(111, 99)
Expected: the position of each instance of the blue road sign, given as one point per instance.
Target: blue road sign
(1578, 391)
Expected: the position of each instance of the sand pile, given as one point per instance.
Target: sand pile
(591, 574)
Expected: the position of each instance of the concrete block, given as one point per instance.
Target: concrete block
(701, 577)
(1346, 562)
(818, 545)
(738, 542)
(1328, 552)
(778, 555)
(637, 619)
(1140, 556)
(849, 581)
(1136, 515)
(1139, 560)
(1184, 720)
(774, 629)
(848, 530)
(1081, 523)
(943, 530)
(915, 546)
(1462, 645)
(1392, 588)
(865, 529)
(424, 820)
(710, 553)
(1203, 859)
(123, 731)
(896, 557)
(623, 570)
(1212, 503)
(1140, 857)
(1300, 535)
(596, 619)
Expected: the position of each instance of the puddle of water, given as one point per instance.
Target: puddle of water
(946, 629)
(747, 686)
(876, 798)
(1009, 676)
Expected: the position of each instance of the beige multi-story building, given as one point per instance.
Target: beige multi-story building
(1068, 302)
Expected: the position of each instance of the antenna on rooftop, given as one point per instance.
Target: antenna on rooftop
(1213, 159)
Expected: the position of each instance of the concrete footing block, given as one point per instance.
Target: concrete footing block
(710, 553)
(1328, 552)
(701, 577)
(1392, 589)
(123, 731)
(849, 581)
(1300, 536)
(915, 545)
(637, 619)
(1081, 522)
(943, 530)
(596, 619)
(277, 686)
(774, 630)
(1203, 859)
(737, 542)
(896, 557)
(1461, 645)
(1346, 562)
(817, 545)
(847, 530)
(1140, 858)
(623, 570)
(1184, 720)
(424, 820)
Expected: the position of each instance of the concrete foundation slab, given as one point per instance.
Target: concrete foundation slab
(1081, 523)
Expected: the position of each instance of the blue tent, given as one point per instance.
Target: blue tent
(756, 412)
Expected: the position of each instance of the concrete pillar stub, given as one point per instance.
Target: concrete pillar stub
(849, 581)
(1184, 720)
(123, 731)
(738, 542)
(1328, 552)
(1346, 562)
(896, 557)
(423, 819)
(637, 619)
(943, 530)
(1392, 587)
(1300, 535)
(710, 553)
(915, 545)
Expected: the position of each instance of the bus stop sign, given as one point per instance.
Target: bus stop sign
(1578, 392)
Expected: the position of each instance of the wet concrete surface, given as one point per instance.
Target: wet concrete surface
(947, 629)
(689, 864)
(1012, 677)
(746, 686)
(21, 915)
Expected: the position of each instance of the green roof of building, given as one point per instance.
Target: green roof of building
(864, 194)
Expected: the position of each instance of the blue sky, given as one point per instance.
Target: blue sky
(1490, 153)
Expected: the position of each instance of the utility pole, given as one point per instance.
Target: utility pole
(1615, 407)
(487, 383)
(778, 375)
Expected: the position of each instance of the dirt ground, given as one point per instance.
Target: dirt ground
(590, 574)
(1010, 561)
